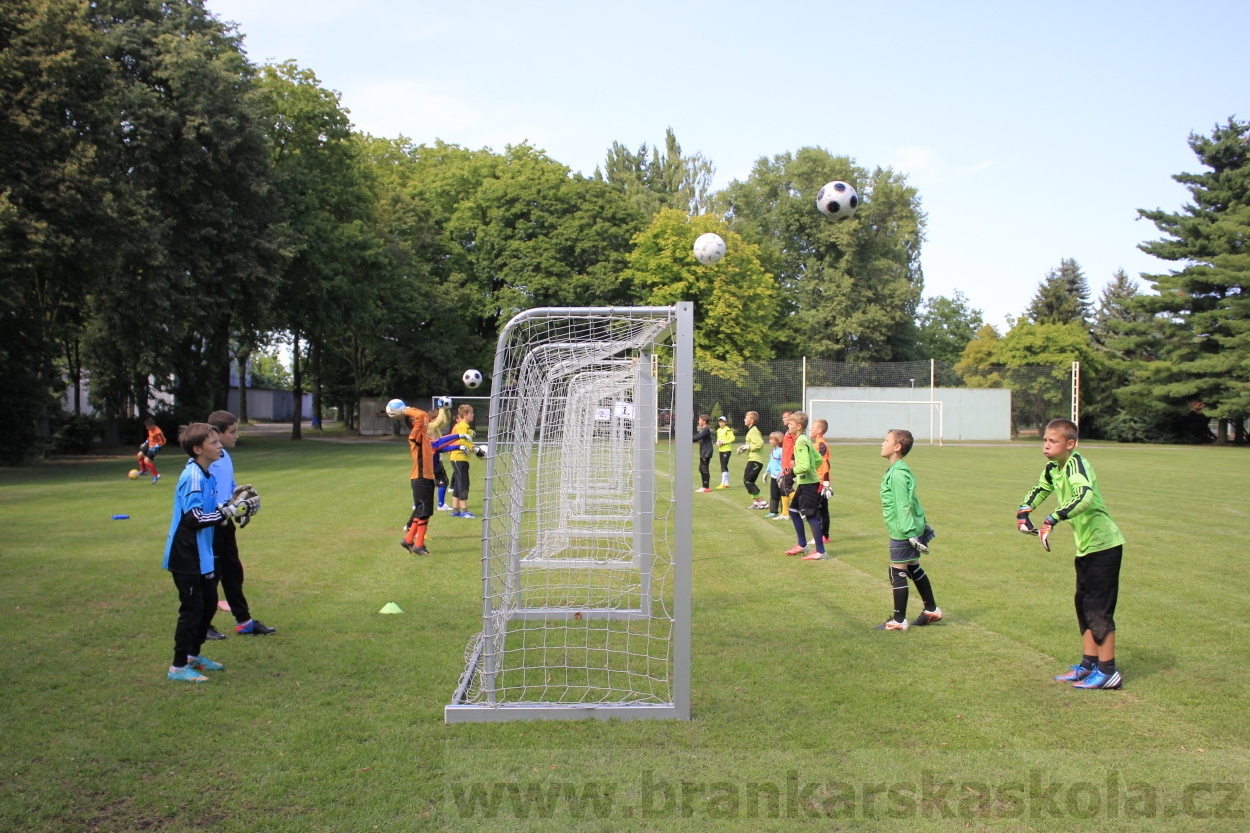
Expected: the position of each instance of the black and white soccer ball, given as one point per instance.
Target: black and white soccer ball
(837, 199)
(395, 408)
(471, 378)
(442, 402)
(709, 248)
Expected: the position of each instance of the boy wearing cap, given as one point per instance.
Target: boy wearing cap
(725, 445)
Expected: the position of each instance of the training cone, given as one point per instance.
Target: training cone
(390, 607)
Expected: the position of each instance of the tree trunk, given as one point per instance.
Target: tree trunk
(1221, 432)
(244, 357)
(297, 389)
(1239, 430)
(75, 364)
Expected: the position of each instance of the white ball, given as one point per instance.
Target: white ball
(395, 408)
(709, 248)
(472, 378)
(443, 402)
(837, 199)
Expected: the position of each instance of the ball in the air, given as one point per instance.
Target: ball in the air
(395, 408)
(472, 378)
(709, 248)
(837, 199)
(133, 474)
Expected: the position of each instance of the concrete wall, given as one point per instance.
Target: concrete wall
(268, 405)
(965, 414)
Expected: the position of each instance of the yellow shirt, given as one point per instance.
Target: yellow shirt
(462, 427)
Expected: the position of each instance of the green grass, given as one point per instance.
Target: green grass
(804, 716)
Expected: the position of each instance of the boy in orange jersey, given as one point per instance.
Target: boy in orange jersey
(422, 477)
(150, 448)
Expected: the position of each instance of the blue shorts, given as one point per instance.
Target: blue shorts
(902, 551)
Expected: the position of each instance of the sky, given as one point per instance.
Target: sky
(1033, 132)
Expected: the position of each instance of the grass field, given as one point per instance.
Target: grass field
(804, 716)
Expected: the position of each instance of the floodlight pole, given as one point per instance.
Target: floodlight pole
(1076, 393)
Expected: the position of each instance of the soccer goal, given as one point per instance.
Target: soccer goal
(586, 533)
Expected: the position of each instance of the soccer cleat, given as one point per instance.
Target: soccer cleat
(704, 489)
(796, 550)
(1098, 679)
(187, 674)
(1074, 675)
(156, 478)
(406, 545)
(816, 556)
(782, 516)
(454, 514)
(204, 664)
(420, 551)
(213, 633)
(467, 515)
(770, 516)
(891, 625)
(444, 508)
(722, 486)
(255, 627)
(928, 617)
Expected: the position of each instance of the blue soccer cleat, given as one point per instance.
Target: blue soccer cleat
(1098, 679)
(204, 664)
(1074, 674)
(188, 674)
(467, 515)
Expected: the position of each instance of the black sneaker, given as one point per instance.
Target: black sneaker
(213, 633)
(420, 551)
(255, 628)
(928, 617)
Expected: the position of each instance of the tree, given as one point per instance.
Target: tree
(1035, 361)
(1062, 298)
(56, 205)
(850, 288)
(327, 233)
(1201, 311)
(655, 182)
(1116, 307)
(735, 299)
(946, 325)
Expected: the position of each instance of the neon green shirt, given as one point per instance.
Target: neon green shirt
(725, 438)
(1076, 487)
(904, 518)
(807, 460)
(755, 446)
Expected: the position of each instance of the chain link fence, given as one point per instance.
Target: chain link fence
(1038, 393)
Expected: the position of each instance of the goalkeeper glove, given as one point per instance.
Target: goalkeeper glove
(1023, 522)
(742, 449)
(918, 544)
(1043, 534)
(480, 452)
(826, 490)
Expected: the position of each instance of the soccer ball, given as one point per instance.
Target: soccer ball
(709, 248)
(472, 378)
(395, 408)
(837, 199)
(443, 402)
(133, 474)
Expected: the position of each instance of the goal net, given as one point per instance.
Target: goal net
(586, 527)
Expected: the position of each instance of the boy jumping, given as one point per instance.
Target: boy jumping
(909, 534)
(1099, 550)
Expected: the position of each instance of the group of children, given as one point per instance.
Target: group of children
(201, 550)
(797, 470)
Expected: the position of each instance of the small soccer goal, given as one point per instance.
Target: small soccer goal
(586, 531)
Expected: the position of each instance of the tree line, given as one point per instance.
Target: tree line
(168, 210)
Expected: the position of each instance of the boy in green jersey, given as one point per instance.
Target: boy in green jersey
(756, 460)
(725, 446)
(909, 534)
(1099, 550)
(806, 502)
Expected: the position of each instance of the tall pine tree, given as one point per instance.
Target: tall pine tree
(1062, 298)
(1201, 312)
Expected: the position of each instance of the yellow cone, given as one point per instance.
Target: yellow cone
(390, 607)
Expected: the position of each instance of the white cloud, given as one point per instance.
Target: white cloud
(922, 165)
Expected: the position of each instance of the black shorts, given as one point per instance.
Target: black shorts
(440, 474)
(1097, 589)
(422, 497)
(806, 500)
(460, 479)
(902, 551)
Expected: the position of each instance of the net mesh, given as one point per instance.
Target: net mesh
(1038, 393)
(578, 526)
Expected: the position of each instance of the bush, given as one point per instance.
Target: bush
(75, 434)
(1155, 427)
